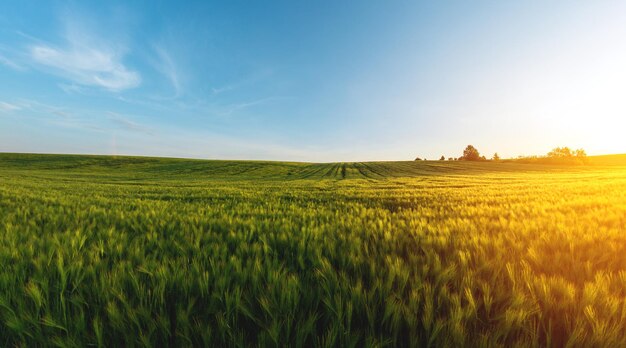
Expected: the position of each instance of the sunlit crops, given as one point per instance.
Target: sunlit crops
(138, 251)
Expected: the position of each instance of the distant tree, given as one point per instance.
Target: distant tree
(558, 155)
(561, 152)
(418, 159)
(470, 154)
(496, 157)
(443, 158)
(567, 156)
(450, 158)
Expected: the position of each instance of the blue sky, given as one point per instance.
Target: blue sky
(312, 81)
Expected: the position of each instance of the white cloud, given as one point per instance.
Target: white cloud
(87, 66)
(86, 60)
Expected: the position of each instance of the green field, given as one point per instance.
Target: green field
(133, 251)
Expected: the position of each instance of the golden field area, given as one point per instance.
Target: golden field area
(139, 251)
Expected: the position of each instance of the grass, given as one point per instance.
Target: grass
(131, 251)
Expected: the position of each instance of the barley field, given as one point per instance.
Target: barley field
(134, 251)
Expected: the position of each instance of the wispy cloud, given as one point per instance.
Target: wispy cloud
(88, 66)
(168, 68)
(234, 108)
(8, 107)
(219, 90)
(10, 63)
(83, 119)
(127, 124)
(43, 108)
(87, 60)
(249, 80)
(71, 88)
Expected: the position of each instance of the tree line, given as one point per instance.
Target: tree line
(558, 155)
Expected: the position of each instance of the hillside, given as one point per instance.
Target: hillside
(146, 168)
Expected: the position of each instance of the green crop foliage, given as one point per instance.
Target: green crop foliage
(130, 251)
